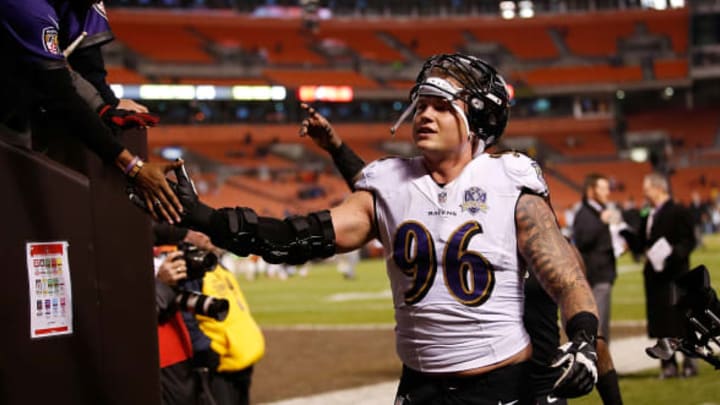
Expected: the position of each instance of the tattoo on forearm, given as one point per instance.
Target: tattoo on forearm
(551, 257)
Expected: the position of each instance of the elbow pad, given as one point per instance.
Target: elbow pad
(294, 240)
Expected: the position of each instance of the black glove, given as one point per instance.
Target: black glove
(118, 118)
(195, 215)
(578, 361)
(206, 358)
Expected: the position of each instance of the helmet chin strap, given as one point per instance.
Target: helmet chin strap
(471, 135)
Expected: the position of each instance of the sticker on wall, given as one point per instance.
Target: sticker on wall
(50, 292)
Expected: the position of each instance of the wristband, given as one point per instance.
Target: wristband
(136, 169)
(347, 162)
(582, 322)
(130, 165)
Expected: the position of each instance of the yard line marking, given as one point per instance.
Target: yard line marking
(359, 296)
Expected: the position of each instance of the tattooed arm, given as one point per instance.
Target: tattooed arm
(559, 270)
(555, 263)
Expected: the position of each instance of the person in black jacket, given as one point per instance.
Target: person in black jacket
(591, 234)
(593, 239)
(673, 223)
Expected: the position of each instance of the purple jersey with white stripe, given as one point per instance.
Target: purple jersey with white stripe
(42, 29)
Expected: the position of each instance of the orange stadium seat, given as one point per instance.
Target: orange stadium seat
(427, 38)
(121, 75)
(561, 194)
(525, 39)
(297, 78)
(564, 125)
(581, 34)
(362, 38)
(281, 42)
(671, 69)
(704, 180)
(673, 23)
(691, 128)
(626, 175)
(581, 31)
(162, 42)
(567, 75)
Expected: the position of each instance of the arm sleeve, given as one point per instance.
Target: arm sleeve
(87, 91)
(63, 104)
(88, 61)
(348, 163)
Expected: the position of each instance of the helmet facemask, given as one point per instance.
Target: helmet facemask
(481, 88)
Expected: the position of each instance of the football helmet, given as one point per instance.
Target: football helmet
(702, 315)
(482, 89)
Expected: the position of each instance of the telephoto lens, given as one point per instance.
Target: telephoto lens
(201, 304)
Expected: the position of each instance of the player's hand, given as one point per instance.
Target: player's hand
(319, 129)
(578, 361)
(120, 118)
(196, 215)
(151, 183)
(131, 105)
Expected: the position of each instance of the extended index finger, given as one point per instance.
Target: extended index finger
(310, 110)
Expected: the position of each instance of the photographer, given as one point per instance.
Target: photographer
(226, 340)
(176, 379)
(226, 348)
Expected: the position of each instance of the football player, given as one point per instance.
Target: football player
(540, 312)
(452, 222)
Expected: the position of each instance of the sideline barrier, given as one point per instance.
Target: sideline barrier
(111, 356)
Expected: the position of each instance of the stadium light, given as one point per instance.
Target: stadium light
(507, 10)
(667, 93)
(167, 92)
(677, 3)
(276, 93)
(199, 92)
(639, 154)
(526, 8)
(338, 94)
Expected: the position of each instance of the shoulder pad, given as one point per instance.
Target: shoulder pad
(525, 173)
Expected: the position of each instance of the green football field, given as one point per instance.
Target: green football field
(325, 298)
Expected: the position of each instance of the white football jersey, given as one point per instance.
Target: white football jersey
(452, 258)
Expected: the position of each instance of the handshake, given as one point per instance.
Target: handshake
(194, 212)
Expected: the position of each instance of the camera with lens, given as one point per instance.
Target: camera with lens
(198, 261)
(201, 304)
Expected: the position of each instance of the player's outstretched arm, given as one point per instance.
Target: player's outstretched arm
(293, 240)
(561, 274)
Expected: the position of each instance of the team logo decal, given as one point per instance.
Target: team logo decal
(538, 170)
(475, 200)
(442, 197)
(50, 40)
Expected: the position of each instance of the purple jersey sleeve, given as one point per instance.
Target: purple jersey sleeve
(35, 28)
(92, 20)
(41, 29)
